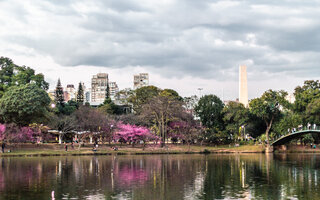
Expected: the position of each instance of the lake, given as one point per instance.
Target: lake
(214, 176)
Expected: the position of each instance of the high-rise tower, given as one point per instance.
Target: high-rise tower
(243, 85)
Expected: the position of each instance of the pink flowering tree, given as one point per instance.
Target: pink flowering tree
(188, 131)
(133, 134)
(16, 134)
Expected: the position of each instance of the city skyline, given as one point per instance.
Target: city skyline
(275, 40)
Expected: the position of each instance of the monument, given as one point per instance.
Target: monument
(243, 85)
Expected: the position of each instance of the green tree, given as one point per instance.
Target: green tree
(288, 121)
(171, 93)
(209, 109)
(142, 95)
(235, 115)
(108, 91)
(306, 94)
(59, 96)
(268, 107)
(80, 94)
(14, 75)
(24, 104)
(313, 112)
(67, 108)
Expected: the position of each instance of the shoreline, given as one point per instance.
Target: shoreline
(46, 150)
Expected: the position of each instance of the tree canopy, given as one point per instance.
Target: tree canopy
(15, 75)
(24, 104)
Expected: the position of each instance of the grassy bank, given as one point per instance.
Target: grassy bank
(58, 150)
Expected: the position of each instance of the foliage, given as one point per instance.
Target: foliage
(268, 107)
(186, 129)
(312, 113)
(14, 75)
(306, 94)
(67, 108)
(24, 104)
(288, 121)
(161, 110)
(235, 115)
(171, 94)
(133, 134)
(80, 94)
(59, 96)
(142, 95)
(107, 91)
(209, 109)
(16, 134)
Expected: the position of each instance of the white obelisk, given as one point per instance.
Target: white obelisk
(243, 85)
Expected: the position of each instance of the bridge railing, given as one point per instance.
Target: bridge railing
(294, 130)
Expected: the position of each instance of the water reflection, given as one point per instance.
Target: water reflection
(279, 176)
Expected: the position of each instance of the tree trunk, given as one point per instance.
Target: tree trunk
(268, 129)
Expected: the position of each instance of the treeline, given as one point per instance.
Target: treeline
(155, 114)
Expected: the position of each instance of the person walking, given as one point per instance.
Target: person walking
(3, 145)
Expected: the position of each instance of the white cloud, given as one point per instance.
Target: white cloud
(183, 44)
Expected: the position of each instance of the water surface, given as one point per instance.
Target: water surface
(249, 176)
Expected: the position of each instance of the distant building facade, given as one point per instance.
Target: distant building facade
(99, 84)
(140, 80)
(243, 85)
(70, 93)
(114, 89)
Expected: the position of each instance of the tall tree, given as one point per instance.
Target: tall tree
(306, 94)
(107, 91)
(268, 107)
(142, 95)
(235, 115)
(80, 94)
(24, 104)
(161, 110)
(59, 97)
(14, 75)
(209, 109)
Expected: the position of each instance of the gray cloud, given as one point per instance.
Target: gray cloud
(177, 38)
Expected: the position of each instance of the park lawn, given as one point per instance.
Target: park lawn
(127, 150)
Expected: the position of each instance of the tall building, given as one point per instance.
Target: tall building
(140, 80)
(243, 85)
(98, 87)
(114, 89)
(71, 93)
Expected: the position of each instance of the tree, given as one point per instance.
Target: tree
(133, 134)
(161, 110)
(209, 109)
(80, 94)
(191, 102)
(235, 115)
(171, 93)
(14, 75)
(305, 95)
(186, 129)
(142, 95)
(59, 96)
(107, 91)
(268, 107)
(65, 124)
(67, 108)
(24, 104)
(313, 112)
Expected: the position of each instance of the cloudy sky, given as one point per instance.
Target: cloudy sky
(182, 44)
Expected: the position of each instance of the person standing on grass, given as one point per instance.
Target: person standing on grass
(3, 145)
(66, 147)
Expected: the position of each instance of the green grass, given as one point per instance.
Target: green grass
(135, 150)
